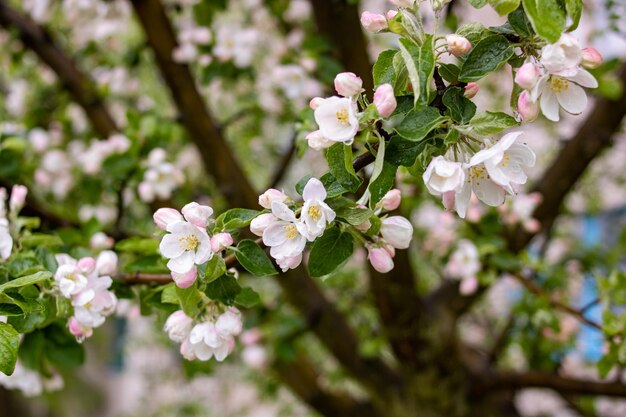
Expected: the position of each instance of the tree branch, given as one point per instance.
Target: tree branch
(303, 379)
(218, 159)
(79, 85)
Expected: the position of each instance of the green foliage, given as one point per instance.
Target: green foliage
(212, 269)
(383, 68)
(416, 125)
(253, 258)
(520, 24)
(190, 300)
(489, 55)
(504, 7)
(9, 344)
(26, 280)
(460, 108)
(547, 18)
(224, 289)
(354, 215)
(383, 183)
(339, 157)
(330, 251)
(491, 123)
(139, 245)
(420, 64)
(236, 218)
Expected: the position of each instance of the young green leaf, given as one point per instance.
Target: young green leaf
(339, 157)
(547, 18)
(461, 109)
(416, 125)
(354, 215)
(247, 298)
(574, 9)
(26, 280)
(383, 183)
(383, 68)
(236, 218)
(487, 56)
(420, 64)
(504, 7)
(9, 344)
(490, 123)
(213, 269)
(190, 300)
(224, 289)
(253, 258)
(330, 251)
(520, 23)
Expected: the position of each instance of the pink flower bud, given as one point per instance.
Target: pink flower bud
(267, 198)
(317, 141)
(385, 100)
(261, 222)
(468, 286)
(315, 102)
(380, 260)
(18, 197)
(164, 216)
(471, 89)
(101, 241)
(591, 58)
(290, 262)
(391, 14)
(229, 323)
(458, 45)
(78, 330)
(197, 214)
(348, 84)
(178, 326)
(528, 109)
(373, 22)
(397, 231)
(391, 200)
(106, 264)
(86, 265)
(527, 76)
(185, 280)
(252, 336)
(221, 241)
(365, 226)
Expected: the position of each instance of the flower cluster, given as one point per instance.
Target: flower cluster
(160, 179)
(16, 202)
(284, 233)
(556, 80)
(86, 282)
(490, 174)
(338, 118)
(187, 242)
(463, 265)
(212, 335)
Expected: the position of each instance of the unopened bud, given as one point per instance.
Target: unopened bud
(527, 76)
(471, 89)
(373, 22)
(385, 100)
(591, 58)
(527, 108)
(348, 84)
(458, 45)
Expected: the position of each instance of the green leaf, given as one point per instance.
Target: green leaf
(403, 152)
(332, 186)
(39, 239)
(383, 68)
(302, 182)
(449, 72)
(247, 298)
(190, 300)
(236, 218)
(487, 56)
(416, 125)
(520, 23)
(490, 123)
(477, 3)
(339, 157)
(420, 64)
(330, 251)
(152, 264)
(355, 215)
(504, 7)
(401, 80)
(212, 269)
(169, 295)
(547, 18)
(461, 109)
(224, 289)
(26, 280)
(383, 183)
(9, 344)
(253, 258)
(574, 9)
(140, 245)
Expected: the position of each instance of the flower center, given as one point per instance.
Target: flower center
(478, 173)
(291, 231)
(315, 212)
(558, 84)
(505, 159)
(342, 116)
(189, 242)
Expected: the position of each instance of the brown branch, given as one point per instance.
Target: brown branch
(218, 159)
(303, 379)
(79, 85)
(538, 379)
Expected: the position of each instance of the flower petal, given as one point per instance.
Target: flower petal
(573, 100)
(183, 263)
(549, 105)
(314, 190)
(585, 79)
(170, 246)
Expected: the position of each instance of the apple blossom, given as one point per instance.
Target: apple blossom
(197, 214)
(289, 262)
(268, 197)
(317, 141)
(315, 102)
(286, 237)
(184, 246)
(385, 100)
(563, 57)
(101, 241)
(178, 326)
(471, 89)
(591, 58)
(261, 222)
(70, 280)
(373, 22)
(347, 84)
(554, 91)
(391, 14)
(337, 119)
(221, 241)
(528, 109)
(79, 330)
(397, 231)
(255, 356)
(315, 213)
(442, 176)
(185, 280)
(18, 198)
(527, 76)
(6, 241)
(380, 259)
(458, 45)
(229, 323)
(204, 342)
(106, 264)
(165, 216)
(463, 265)
(391, 200)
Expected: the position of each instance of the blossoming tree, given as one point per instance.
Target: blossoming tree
(148, 185)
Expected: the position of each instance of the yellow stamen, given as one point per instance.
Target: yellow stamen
(315, 212)
(342, 116)
(558, 84)
(505, 159)
(189, 242)
(291, 231)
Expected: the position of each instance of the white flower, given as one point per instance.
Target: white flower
(229, 323)
(562, 57)
(505, 161)
(204, 342)
(286, 237)
(261, 222)
(563, 91)
(337, 119)
(348, 84)
(178, 326)
(268, 197)
(317, 141)
(185, 246)
(478, 181)
(95, 302)
(315, 213)
(106, 264)
(6, 241)
(69, 280)
(197, 214)
(442, 176)
(397, 231)
(463, 265)
(290, 262)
